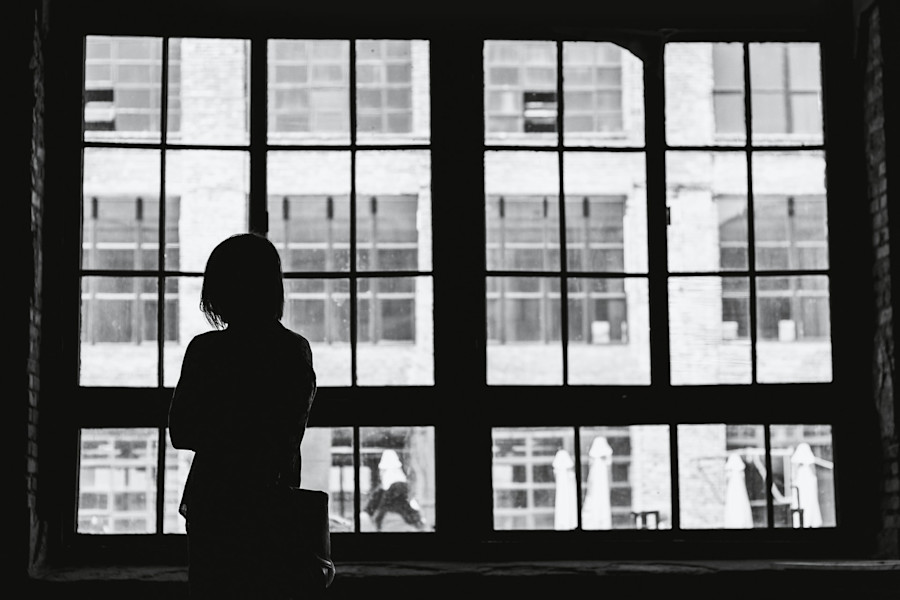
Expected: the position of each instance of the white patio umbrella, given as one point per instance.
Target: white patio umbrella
(566, 508)
(806, 488)
(738, 514)
(597, 511)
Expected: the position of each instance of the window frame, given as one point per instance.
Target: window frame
(463, 434)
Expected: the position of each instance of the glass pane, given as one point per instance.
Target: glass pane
(533, 477)
(706, 193)
(803, 476)
(721, 476)
(309, 91)
(793, 329)
(626, 477)
(120, 228)
(209, 86)
(213, 187)
(393, 95)
(118, 332)
(183, 321)
(122, 89)
(397, 463)
(520, 103)
(523, 329)
(609, 331)
(522, 210)
(327, 465)
(606, 211)
(604, 95)
(790, 211)
(319, 309)
(117, 481)
(787, 93)
(395, 331)
(709, 320)
(704, 94)
(393, 211)
(309, 210)
(178, 465)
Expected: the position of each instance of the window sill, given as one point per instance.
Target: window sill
(822, 578)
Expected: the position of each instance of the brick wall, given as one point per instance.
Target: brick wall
(877, 185)
(36, 534)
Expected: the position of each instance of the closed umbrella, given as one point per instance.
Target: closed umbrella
(738, 514)
(805, 499)
(597, 510)
(566, 508)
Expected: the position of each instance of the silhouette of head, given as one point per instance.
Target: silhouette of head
(242, 282)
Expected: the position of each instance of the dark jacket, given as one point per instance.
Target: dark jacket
(242, 405)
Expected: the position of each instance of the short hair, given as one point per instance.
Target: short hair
(242, 281)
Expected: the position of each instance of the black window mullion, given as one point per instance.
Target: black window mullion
(258, 213)
(354, 278)
(751, 238)
(657, 231)
(561, 199)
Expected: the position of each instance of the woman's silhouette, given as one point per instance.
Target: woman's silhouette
(241, 404)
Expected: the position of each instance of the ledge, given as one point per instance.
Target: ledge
(877, 579)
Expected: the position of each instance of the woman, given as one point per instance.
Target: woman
(241, 404)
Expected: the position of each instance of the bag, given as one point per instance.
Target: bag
(305, 539)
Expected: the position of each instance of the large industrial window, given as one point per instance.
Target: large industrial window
(645, 229)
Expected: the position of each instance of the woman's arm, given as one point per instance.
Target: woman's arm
(186, 410)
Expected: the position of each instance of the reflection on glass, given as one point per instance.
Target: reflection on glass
(533, 477)
(793, 329)
(704, 94)
(309, 91)
(121, 210)
(522, 210)
(123, 88)
(603, 88)
(706, 195)
(212, 187)
(397, 478)
(609, 331)
(392, 91)
(319, 309)
(327, 465)
(625, 477)
(395, 331)
(178, 465)
(709, 339)
(803, 476)
(520, 103)
(117, 481)
(786, 93)
(209, 84)
(309, 209)
(393, 211)
(722, 476)
(119, 331)
(523, 329)
(606, 211)
(184, 320)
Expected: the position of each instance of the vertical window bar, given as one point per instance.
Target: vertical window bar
(357, 497)
(561, 199)
(354, 341)
(579, 500)
(770, 502)
(258, 214)
(751, 238)
(657, 250)
(161, 281)
(788, 92)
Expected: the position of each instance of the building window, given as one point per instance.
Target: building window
(785, 79)
(123, 86)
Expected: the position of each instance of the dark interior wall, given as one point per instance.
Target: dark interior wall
(877, 80)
